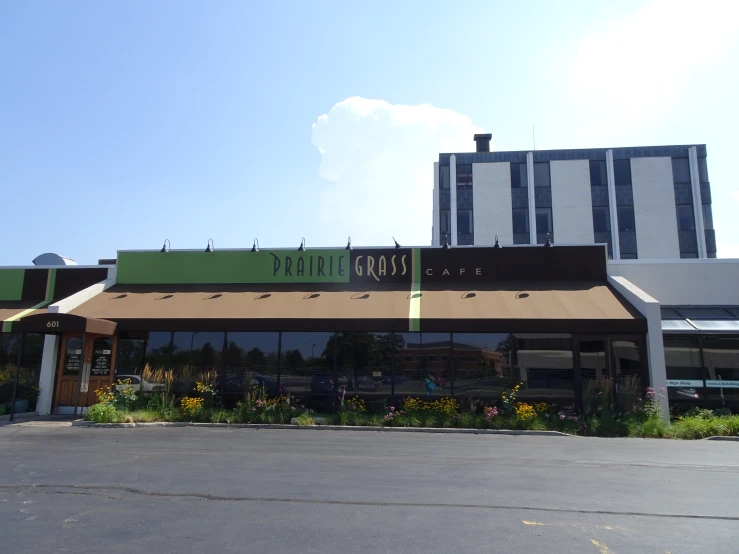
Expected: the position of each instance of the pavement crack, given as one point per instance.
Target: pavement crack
(103, 491)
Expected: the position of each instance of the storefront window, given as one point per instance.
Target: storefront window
(9, 344)
(595, 381)
(252, 363)
(129, 356)
(435, 366)
(544, 364)
(197, 351)
(158, 347)
(483, 367)
(308, 363)
(627, 373)
(683, 365)
(721, 356)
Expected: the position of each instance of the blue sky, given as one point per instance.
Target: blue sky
(122, 124)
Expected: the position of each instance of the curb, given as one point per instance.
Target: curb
(720, 438)
(83, 423)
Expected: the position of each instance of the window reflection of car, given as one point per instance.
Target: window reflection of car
(324, 384)
(140, 384)
(388, 379)
(234, 384)
(683, 393)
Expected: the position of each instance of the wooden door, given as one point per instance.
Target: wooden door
(85, 365)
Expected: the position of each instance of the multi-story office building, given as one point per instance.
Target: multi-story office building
(650, 202)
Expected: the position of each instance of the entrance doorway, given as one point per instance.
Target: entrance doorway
(85, 365)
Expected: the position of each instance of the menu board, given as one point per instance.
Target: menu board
(73, 362)
(101, 362)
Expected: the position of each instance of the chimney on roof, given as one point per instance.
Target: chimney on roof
(483, 142)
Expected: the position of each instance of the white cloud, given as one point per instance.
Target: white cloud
(379, 158)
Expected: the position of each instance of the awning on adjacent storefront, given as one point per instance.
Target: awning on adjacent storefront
(552, 307)
(700, 319)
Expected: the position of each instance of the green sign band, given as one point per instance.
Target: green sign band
(233, 267)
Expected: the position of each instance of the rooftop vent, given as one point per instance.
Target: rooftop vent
(483, 142)
(53, 259)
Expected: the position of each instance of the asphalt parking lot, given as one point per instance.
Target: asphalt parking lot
(69, 489)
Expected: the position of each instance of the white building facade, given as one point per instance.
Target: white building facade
(644, 202)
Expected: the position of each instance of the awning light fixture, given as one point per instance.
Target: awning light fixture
(301, 248)
(349, 244)
(211, 246)
(396, 244)
(166, 248)
(548, 243)
(446, 243)
(497, 244)
(255, 246)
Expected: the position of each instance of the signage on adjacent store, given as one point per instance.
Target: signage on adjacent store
(714, 383)
(685, 383)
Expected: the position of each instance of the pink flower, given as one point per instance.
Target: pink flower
(561, 416)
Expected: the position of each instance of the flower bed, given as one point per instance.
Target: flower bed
(122, 403)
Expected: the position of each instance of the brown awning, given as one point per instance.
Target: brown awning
(10, 311)
(233, 308)
(51, 323)
(540, 307)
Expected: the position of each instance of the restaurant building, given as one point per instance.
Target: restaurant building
(376, 322)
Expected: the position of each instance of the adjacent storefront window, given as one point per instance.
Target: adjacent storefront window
(684, 369)
(721, 358)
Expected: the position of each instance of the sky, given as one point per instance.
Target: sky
(126, 123)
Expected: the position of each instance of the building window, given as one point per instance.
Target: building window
(464, 175)
(541, 175)
(622, 172)
(408, 358)
(707, 217)
(518, 175)
(520, 221)
(702, 170)
(544, 220)
(680, 170)
(444, 177)
(598, 175)
(626, 219)
(464, 222)
(685, 219)
(601, 220)
(445, 222)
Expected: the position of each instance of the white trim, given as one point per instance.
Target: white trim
(436, 223)
(613, 207)
(649, 308)
(532, 196)
(71, 302)
(47, 374)
(684, 261)
(700, 226)
(453, 198)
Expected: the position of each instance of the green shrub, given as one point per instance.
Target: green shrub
(700, 427)
(224, 416)
(306, 420)
(103, 413)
